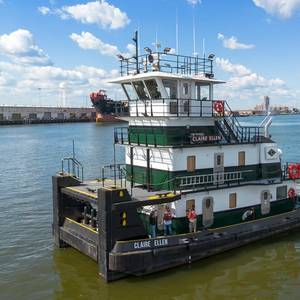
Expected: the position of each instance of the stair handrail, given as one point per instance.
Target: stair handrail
(74, 167)
(244, 131)
(235, 122)
(262, 123)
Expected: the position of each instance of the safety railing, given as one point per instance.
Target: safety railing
(172, 107)
(211, 179)
(166, 62)
(232, 130)
(115, 172)
(226, 121)
(151, 138)
(71, 166)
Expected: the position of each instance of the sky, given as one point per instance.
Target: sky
(52, 47)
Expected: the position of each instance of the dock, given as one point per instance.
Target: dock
(18, 115)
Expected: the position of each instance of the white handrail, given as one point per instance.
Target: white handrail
(214, 178)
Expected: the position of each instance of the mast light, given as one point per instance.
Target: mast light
(211, 56)
(148, 50)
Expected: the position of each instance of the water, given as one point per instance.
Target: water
(31, 268)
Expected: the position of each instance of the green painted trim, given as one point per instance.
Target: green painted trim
(228, 217)
(167, 136)
(177, 136)
(163, 180)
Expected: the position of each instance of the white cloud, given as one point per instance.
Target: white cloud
(87, 40)
(227, 66)
(44, 10)
(130, 50)
(194, 2)
(232, 43)
(97, 12)
(281, 8)
(20, 84)
(248, 86)
(20, 47)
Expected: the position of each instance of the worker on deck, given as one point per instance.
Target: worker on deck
(168, 221)
(192, 217)
(153, 223)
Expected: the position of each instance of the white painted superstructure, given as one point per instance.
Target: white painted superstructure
(193, 143)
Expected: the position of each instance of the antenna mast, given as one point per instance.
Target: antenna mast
(135, 39)
(177, 46)
(157, 43)
(139, 38)
(194, 36)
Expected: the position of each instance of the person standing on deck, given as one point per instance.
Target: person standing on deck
(168, 221)
(153, 223)
(192, 217)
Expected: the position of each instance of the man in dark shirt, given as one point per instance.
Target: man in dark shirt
(153, 223)
(168, 221)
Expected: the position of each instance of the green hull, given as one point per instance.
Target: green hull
(228, 217)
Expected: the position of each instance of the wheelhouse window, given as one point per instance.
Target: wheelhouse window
(219, 159)
(129, 91)
(141, 90)
(153, 89)
(171, 88)
(202, 91)
(185, 89)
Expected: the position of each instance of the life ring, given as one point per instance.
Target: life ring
(292, 193)
(294, 171)
(219, 106)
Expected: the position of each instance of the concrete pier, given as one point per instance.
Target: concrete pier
(11, 115)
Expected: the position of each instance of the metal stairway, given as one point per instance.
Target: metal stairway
(234, 132)
(227, 131)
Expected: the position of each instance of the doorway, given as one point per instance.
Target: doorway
(219, 168)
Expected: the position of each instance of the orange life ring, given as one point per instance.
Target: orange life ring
(219, 106)
(292, 193)
(294, 171)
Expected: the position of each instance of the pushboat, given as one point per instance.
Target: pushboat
(183, 149)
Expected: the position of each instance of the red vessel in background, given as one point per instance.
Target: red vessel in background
(107, 109)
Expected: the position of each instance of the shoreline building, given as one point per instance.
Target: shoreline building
(45, 114)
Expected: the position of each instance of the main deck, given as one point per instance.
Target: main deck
(111, 233)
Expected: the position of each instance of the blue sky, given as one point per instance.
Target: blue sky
(47, 47)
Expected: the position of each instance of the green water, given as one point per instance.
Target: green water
(31, 268)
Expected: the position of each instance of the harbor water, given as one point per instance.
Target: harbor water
(32, 268)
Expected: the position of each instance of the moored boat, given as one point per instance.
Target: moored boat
(108, 110)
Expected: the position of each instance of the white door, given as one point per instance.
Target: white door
(185, 95)
(219, 168)
(207, 211)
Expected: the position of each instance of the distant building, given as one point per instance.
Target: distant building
(267, 102)
(31, 113)
(263, 108)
